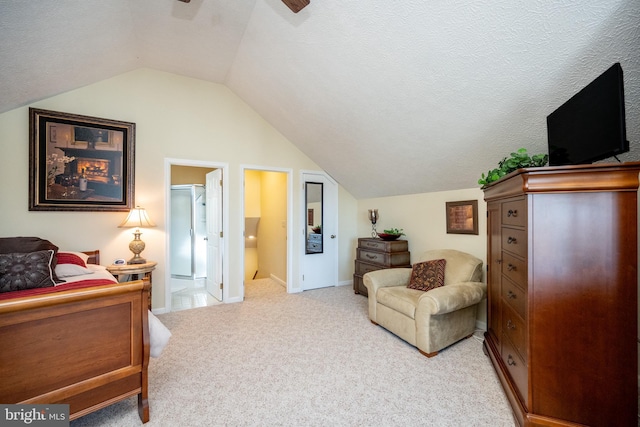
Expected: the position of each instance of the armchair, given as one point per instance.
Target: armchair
(434, 319)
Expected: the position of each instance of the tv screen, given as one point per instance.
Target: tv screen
(591, 125)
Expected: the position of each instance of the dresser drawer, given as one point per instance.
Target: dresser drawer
(515, 269)
(515, 212)
(392, 259)
(513, 327)
(515, 241)
(383, 245)
(363, 268)
(516, 367)
(515, 297)
(315, 237)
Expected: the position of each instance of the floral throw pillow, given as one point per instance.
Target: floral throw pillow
(20, 271)
(427, 275)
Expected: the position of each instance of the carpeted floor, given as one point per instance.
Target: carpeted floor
(308, 359)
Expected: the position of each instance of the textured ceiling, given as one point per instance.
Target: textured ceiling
(388, 97)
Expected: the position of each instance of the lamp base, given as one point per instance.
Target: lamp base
(136, 246)
(137, 259)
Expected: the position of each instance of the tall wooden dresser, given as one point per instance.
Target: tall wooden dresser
(377, 254)
(562, 293)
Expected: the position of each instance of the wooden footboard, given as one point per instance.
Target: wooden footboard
(87, 348)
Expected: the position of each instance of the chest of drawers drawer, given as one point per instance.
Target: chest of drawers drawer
(383, 245)
(515, 213)
(513, 327)
(515, 241)
(363, 268)
(514, 296)
(388, 259)
(516, 367)
(514, 268)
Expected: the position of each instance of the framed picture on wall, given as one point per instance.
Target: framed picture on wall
(462, 217)
(88, 164)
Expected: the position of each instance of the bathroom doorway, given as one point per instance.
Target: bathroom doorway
(194, 234)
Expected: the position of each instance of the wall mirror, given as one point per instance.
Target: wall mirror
(313, 202)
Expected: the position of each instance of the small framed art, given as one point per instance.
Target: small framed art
(462, 217)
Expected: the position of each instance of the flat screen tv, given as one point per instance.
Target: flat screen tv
(591, 125)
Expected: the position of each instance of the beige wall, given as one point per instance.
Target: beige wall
(176, 118)
(181, 175)
(182, 118)
(272, 232)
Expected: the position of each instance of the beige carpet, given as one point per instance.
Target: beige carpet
(309, 359)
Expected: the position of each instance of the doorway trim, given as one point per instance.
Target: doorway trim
(168, 162)
(289, 172)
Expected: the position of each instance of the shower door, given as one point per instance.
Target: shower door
(188, 232)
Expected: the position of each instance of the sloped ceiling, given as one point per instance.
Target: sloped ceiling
(388, 97)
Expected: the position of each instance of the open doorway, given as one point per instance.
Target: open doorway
(267, 216)
(194, 235)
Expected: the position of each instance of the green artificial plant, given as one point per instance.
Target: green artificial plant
(394, 231)
(519, 159)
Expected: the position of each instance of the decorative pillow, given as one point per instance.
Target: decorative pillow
(70, 270)
(23, 245)
(31, 270)
(427, 275)
(68, 257)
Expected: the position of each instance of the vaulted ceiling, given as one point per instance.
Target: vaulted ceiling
(389, 97)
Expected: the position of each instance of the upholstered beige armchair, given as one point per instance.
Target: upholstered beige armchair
(434, 319)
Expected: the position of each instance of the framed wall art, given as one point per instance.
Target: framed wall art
(80, 163)
(462, 217)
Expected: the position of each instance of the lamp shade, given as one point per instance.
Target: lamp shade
(137, 217)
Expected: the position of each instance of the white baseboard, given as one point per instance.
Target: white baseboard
(345, 283)
(279, 280)
(481, 325)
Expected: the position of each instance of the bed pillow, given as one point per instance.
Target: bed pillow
(427, 275)
(13, 245)
(69, 257)
(70, 270)
(19, 271)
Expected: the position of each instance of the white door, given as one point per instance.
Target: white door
(319, 232)
(214, 233)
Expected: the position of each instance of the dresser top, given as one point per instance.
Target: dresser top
(560, 179)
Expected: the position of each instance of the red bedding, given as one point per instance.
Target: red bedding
(59, 288)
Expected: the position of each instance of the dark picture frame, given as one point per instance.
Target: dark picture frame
(80, 163)
(462, 217)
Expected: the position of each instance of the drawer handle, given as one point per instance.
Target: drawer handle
(510, 361)
(511, 240)
(512, 212)
(511, 267)
(511, 295)
(370, 256)
(511, 325)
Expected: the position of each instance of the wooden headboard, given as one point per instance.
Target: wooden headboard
(94, 256)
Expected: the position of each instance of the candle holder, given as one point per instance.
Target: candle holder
(373, 217)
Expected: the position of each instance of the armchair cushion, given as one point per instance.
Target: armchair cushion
(427, 275)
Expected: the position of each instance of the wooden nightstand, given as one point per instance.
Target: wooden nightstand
(136, 271)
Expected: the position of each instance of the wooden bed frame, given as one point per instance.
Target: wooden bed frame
(87, 348)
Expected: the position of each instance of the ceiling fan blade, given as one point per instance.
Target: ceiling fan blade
(296, 5)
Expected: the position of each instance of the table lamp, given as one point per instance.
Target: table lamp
(137, 218)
